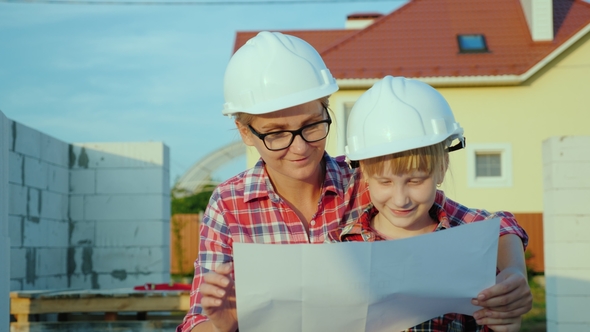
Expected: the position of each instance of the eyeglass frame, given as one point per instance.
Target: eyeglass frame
(294, 133)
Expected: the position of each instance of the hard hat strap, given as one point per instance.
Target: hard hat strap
(462, 143)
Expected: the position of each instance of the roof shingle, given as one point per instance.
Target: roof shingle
(419, 40)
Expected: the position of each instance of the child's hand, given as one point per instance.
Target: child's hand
(505, 302)
(219, 298)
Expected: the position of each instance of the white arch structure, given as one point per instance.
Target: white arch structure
(199, 175)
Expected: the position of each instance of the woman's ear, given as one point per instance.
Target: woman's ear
(245, 133)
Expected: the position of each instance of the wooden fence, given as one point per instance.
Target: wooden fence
(533, 225)
(184, 241)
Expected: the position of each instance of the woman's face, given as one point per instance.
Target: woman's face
(301, 160)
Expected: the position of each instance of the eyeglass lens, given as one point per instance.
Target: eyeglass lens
(310, 133)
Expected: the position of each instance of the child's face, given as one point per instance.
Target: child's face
(403, 202)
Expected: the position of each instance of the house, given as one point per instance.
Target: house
(515, 73)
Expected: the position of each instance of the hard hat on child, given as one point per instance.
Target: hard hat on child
(398, 114)
(274, 71)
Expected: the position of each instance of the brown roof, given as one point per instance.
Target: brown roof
(420, 40)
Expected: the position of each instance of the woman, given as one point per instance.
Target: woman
(277, 88)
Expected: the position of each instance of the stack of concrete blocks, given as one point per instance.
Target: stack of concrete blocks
(120, 211)
(4, 234)
(566, 223)
(90, 216)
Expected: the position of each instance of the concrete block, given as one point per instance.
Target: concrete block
(82, 181)
(566, 149)
(46, 282)
(27, 141)
(568, 309)
(76, 208)
(120, 279)
(34, 203)
(16, 168)
(130, 181)
(16, 285)
(564, 282)
(132, 233)
(45, 233)
(130, 259)
(566, 228)
(18, 266)
(51, 261)
(35, 173)
(120, 155)
(15, 231)
(58, 179)
(565, 255)
(566, 202)
(5, 258)
(33, 284)
(566, 175)
(566, 327)
(125, 207)
(81, 260)
(166, 157)
(17, 200)
(56, 282)
(166, 208)
(167, 181)
(83, 281)
(8, 126)
(83, 233)
(54, 151)
(54, 206)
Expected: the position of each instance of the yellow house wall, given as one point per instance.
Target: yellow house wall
(554, 102)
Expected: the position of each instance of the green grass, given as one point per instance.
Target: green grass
(535, 320)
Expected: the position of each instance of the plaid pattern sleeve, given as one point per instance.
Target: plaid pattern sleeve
(246, 209)
(457, 214)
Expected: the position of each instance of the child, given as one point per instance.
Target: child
(400, 131)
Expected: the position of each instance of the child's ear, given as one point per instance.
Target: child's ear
(245, 133)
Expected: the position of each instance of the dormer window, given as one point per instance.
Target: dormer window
(475, 43)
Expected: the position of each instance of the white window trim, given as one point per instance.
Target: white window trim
(505, 150)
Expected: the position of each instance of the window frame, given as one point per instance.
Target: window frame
(505, 151)
(462, 50)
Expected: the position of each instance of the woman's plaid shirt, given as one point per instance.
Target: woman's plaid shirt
(246, 209)
(449, 214)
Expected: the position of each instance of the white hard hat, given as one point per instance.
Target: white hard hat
(398, 114)
(273, 71)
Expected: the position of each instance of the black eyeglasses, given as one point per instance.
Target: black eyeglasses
(280, 140)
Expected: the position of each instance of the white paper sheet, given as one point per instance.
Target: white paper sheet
(358, 286)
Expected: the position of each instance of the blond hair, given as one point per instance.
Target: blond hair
(432, 160)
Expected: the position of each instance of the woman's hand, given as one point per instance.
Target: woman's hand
(505, 302)
(219, 298)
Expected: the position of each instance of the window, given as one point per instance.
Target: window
(489, 165)
(475, 43)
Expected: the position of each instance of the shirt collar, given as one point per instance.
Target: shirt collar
(362, 227)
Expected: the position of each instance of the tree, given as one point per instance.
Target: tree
(192, 203)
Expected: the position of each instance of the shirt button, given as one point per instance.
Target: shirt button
(312, 222)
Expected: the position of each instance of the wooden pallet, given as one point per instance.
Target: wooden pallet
(107, 301)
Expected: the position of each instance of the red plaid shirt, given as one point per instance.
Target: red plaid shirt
(449, 214)
(246, 209)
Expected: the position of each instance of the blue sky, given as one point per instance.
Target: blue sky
(114, 73)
